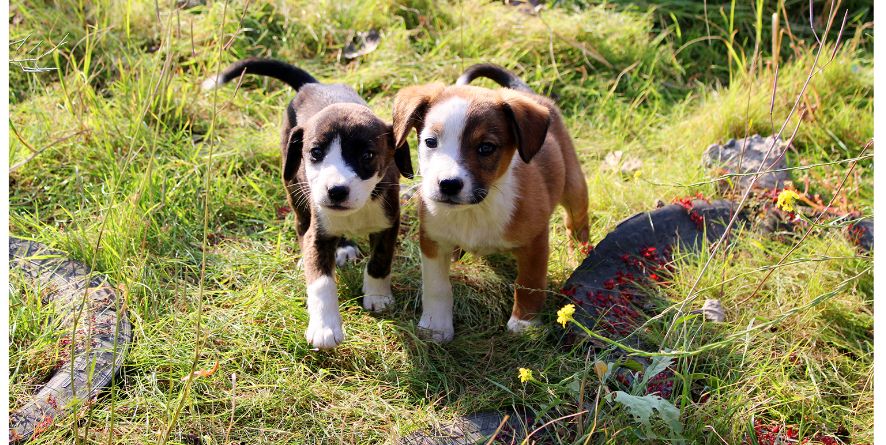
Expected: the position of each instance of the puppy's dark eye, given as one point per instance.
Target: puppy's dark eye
(316, 155)
(485, 149)
(431, 142)
(368, 156)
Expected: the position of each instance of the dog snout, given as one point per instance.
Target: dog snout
(451, 186)
(338, 193)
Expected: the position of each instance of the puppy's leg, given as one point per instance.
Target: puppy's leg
(324, 321)
(436, 291)
(532, 282)
(346, 252)
(575, 200)
(377, 295)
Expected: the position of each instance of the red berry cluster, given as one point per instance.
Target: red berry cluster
(586, 248)
(662, 384)
(687, 204)
(650, 262)
(43, 425)
(774, 434)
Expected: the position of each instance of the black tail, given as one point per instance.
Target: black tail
(500, 75)
(292, 75)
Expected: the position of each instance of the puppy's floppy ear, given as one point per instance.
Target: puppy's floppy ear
(293, 153)
(410, 106)
(401, 156)
(529, 122)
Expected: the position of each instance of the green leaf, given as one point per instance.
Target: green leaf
(643, 407)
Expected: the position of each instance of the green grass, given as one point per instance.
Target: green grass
(127, 136)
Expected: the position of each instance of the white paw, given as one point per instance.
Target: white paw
(436, 329)
(377, 295)
(324, 321)
(345, 255)
(517, 325)
(377, 303)
(324, 334)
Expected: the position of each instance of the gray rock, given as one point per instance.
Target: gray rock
(745, 156)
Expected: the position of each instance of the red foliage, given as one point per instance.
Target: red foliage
(282, 211)
(43, 425)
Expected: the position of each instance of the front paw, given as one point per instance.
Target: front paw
(324, 334)
(377, 303)
(436, 329)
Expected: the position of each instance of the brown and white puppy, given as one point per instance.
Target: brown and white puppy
(342, 174)
(494, 164)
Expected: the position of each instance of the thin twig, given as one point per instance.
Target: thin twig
(41, 149)
(501, 425)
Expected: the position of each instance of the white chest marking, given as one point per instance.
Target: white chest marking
(370, 218)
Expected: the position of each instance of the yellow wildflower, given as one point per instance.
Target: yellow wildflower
(786, 200)
(564, 315)
(525, 374)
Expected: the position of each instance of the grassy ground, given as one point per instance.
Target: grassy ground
(133, 152)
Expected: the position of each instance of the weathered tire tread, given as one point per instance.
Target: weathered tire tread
(67, 282)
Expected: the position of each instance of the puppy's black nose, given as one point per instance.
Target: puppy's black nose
(338, 193)
(451, 186)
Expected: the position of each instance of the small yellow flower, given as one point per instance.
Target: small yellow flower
(525, 374)
(786, 200)
(564, 315)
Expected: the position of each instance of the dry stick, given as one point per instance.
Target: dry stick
(20, 138)
(600, 388)
(707, 23)
(234, 36)
(198, 328)
(750, 186)
(37, 69)
(772, 99)
(34, 153)
(808, 231)
(811, 24)
(501, 425)
(233, 406)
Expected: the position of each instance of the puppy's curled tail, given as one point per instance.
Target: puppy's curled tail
(291, 75)
(498, 74)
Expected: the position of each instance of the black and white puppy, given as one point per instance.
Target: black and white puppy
(342, 171)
